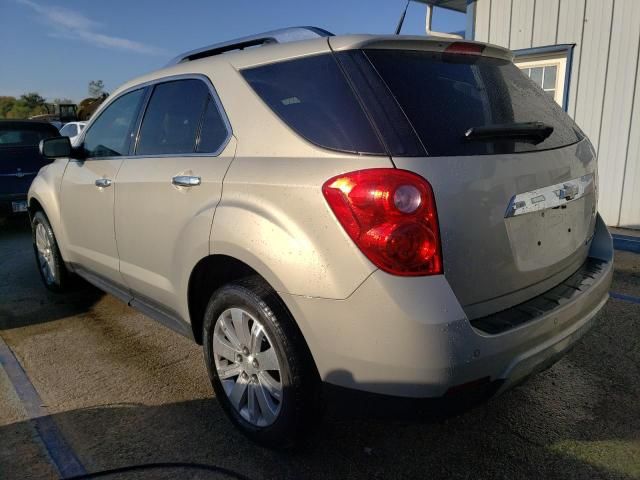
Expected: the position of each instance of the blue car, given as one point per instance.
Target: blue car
(20, 161)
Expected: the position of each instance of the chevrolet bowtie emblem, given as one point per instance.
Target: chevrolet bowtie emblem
(568, 191)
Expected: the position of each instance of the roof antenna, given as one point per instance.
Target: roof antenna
(404, 14)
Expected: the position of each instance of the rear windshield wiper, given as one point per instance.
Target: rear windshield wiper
(533, 132)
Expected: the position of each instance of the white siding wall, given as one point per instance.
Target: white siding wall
(604, 97)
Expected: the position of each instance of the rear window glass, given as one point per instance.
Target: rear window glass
(445, 95)
(25, 135)
(312, 96)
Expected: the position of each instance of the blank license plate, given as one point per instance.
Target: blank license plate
(20, 206)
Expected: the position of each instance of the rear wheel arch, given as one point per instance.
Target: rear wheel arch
(211, 273)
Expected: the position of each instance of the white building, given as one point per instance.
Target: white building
(586, 54)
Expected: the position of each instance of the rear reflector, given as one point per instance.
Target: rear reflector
(465, 48)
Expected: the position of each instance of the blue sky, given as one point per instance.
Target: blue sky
(55, 47)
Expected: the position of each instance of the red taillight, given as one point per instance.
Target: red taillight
(465, 48)
(391, 216)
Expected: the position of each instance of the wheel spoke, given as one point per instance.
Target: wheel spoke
(252, 391)
(237, 392)
(227, 328)
(241, 326)
(40, 239)
(268, 359)
(271, 385)
(224, 348)
(229, 371)
(257, 334)
(267, 407)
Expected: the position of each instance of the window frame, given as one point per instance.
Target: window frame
(145, 104)
(146, 96)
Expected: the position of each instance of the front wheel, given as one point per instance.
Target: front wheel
(53, 271)
(259, 366)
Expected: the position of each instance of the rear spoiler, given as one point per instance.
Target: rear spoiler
(410, 42)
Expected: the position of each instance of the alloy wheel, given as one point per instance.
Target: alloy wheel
(45, 253)
(247, 366)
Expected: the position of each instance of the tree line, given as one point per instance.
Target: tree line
(32, 103)
(26, 105)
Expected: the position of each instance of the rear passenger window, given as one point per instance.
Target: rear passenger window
(214, 129)
(172, 118)
(312, 96)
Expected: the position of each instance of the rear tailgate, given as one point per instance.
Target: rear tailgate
(18, 167)
(492, 260)
(20, 159)
(516, 211)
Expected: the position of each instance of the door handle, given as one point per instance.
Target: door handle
(186, 181)
(103, 182)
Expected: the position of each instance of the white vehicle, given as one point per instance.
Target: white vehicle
(72, 130)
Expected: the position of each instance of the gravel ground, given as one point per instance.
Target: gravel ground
(124, 391)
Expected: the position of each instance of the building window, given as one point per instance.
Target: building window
(549, 67)
(548, 74)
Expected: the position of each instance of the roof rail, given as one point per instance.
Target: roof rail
(283, 35)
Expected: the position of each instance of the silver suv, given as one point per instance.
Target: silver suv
(393, 215)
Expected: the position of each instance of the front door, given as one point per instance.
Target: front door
(167, 192)
(87, 191)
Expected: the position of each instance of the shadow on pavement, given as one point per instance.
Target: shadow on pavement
(481, 444)
(25, 300)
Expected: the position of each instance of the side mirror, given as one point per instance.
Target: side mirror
(57, 147)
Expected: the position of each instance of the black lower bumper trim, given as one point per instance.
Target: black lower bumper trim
(559, 295)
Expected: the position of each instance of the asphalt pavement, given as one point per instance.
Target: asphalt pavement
(88, 384)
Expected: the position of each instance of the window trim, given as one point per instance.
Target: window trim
(143, 109)
(214, 95)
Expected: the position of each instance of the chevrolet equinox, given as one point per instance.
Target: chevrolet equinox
(394, 215)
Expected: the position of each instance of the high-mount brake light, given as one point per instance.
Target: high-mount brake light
(391, 216)
(465, 48)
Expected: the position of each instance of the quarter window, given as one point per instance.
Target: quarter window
(214, 130)
(312, 96)
(172, 118)
(110, 134)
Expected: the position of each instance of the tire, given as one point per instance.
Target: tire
(272, 421)
(53, 271)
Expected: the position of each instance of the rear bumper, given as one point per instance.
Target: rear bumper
(409, 337)
(6, 200)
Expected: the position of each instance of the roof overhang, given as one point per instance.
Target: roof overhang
(456, 5)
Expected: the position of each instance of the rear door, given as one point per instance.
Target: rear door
(516, 207)
(166, 194)
(87, 191)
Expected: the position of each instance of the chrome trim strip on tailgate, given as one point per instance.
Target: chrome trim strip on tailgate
(552, 196)
(18, 174)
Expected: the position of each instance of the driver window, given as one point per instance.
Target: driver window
(110, 134)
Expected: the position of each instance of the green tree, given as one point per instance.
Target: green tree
(6, 104)
(19, 110)
(96, 88)
(32, 100)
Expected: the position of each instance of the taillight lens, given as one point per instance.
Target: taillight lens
(391, 216)
(465, 48)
